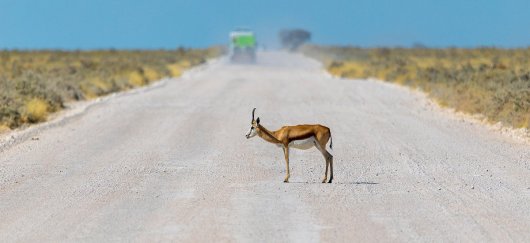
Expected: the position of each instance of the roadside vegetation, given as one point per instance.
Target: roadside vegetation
(488, 81)
(34, 84)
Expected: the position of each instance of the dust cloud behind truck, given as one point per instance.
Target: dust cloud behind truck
(242, 46)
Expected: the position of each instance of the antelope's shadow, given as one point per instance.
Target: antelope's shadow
(339, 183)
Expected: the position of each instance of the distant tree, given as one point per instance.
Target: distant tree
(291, 39)
(419, 45)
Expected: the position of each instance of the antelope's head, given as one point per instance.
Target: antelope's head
(254, 126)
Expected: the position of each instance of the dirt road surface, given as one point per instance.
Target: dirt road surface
(172, 163)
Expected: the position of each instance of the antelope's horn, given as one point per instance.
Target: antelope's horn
(253, 110)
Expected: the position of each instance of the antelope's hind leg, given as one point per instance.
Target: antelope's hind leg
(286, 152)
(328, 156)
(326, 172)
(330, 167)
(325, 154)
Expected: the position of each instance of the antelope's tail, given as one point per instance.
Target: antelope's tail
(331, 140)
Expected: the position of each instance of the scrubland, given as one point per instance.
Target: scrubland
(34, 84)
(488, 81)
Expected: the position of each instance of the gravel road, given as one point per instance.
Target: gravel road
(172, 163)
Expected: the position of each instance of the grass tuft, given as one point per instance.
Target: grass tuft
(36, 110)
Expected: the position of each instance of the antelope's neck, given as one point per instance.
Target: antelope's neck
(267, 135)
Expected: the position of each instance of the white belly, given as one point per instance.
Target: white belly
(303, 144)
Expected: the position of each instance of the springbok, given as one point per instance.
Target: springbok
(298, 137)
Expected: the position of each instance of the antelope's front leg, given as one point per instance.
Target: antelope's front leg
(286, 152)
(326, 172)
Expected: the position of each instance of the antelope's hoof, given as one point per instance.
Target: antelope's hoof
(286, 181)
(324, 181)
(330, 180)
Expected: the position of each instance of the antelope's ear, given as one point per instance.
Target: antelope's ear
(257, 120)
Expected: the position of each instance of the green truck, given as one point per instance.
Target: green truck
(242, 46)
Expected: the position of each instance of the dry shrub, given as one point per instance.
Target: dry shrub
(4, 128)
(175, 70)
(136, 78)
(151, 74)
(36, 110)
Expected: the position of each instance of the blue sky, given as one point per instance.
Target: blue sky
(90, 24)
